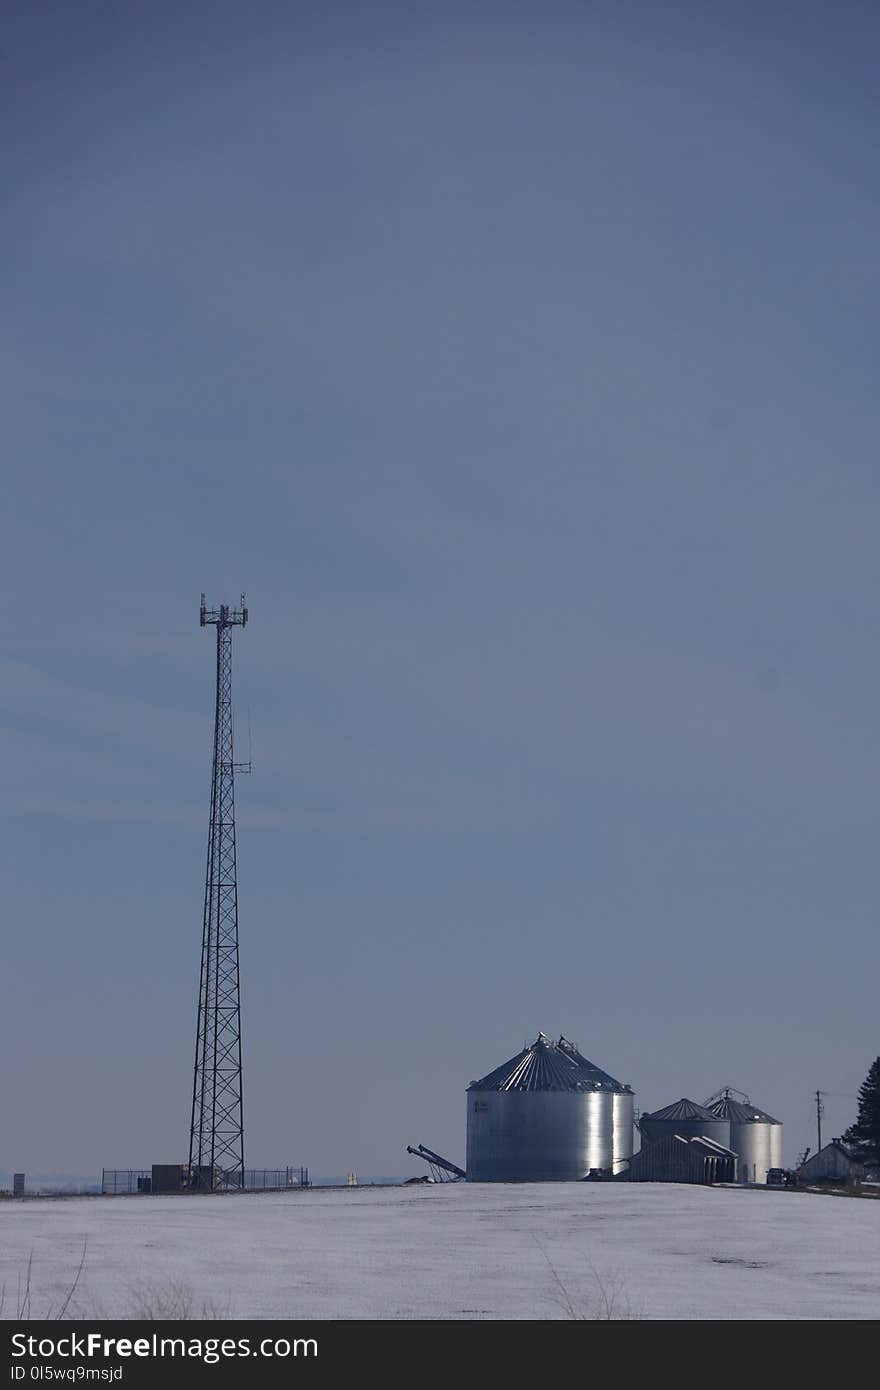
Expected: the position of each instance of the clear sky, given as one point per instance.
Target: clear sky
(520, 362)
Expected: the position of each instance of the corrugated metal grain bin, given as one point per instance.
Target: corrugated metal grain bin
(547, 1115)
(754, 1135)
(686, 1118)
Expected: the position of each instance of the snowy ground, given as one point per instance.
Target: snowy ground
(455, 1251)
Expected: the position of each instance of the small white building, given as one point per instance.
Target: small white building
(836, 1162)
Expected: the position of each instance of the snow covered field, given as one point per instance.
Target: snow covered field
(456, 1251)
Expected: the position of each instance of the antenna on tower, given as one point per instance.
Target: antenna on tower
(216, 1149)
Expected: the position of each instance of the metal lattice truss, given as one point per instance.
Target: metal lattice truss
(216, 1153)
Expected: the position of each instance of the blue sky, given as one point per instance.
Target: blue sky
(519, 364)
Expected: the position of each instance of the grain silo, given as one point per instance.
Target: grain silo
(687, 1119)
(754, 1135)
(547, 1115)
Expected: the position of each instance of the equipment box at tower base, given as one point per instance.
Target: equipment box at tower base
(170, 1177)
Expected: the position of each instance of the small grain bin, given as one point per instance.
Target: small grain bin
(687, 1119)
(754, 1135)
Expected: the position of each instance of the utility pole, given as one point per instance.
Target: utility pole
(820, 1111)
(216, 1149)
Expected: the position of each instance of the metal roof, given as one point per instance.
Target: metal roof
(545, 1065)
(739, 1114)
(683, 1109)
(702, 1141)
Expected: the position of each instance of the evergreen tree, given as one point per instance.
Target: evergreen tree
(865, 1133)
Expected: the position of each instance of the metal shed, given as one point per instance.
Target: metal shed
(683, 1158)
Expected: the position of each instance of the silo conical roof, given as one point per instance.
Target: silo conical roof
(545, 1065)
(739, 1114)
(683, 1109)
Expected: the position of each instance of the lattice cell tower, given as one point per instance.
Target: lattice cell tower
(216, 1149)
